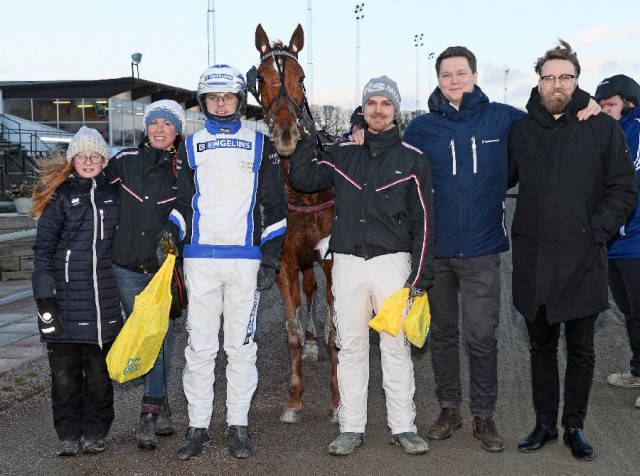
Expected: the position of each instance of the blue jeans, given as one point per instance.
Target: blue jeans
(130, 284)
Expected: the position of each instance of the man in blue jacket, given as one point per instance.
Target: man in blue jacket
(619, 97)
(466, 136)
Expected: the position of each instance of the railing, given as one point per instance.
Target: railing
(20, 148)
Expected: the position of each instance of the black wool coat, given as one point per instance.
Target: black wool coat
(577, 186)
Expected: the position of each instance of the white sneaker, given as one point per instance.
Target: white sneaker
(624, 380)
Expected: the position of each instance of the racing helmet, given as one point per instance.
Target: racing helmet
(222, 78)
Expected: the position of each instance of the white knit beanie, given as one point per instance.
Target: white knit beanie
(166, 109)
(87, 139)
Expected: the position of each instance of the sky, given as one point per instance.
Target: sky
(72, 39)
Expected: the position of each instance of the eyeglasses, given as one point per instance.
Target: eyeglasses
(565, 79)
(82, 159)
(226, 98)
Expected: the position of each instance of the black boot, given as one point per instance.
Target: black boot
(538, 438)
(146, 432)
(164, 424)
(580, 447)
(239, 441)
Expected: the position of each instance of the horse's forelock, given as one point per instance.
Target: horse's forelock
(277, 45)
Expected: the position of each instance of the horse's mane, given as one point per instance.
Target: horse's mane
(277, 45)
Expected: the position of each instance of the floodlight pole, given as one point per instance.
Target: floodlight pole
(506, 74)
(359, 16)
(430, 57)
(417, 41)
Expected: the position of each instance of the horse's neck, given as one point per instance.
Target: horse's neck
(300, 198)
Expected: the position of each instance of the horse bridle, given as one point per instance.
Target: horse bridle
(253, 81)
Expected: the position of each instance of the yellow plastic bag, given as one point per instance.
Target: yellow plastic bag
(137, 346)
(389, 319)
(416, 324)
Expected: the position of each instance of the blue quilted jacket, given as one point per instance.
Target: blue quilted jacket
(468, 152)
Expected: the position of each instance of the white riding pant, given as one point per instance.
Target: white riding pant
(219, 287)
(359, 288)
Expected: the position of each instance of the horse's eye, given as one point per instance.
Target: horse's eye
(301, 79)
(260, 79)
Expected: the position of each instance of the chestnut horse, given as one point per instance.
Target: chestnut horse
(278, 85)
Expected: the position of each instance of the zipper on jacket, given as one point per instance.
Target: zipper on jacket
(66, 266)
(452, 145)
(475, 154)
(101, 224)
(92, 195)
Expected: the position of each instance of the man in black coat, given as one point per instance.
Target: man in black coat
(577, 188)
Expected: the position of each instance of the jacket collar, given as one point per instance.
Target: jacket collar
(382, 140)
(214, 128)
(471, 103)
(633, 115)
(579, 100)
(84, 185)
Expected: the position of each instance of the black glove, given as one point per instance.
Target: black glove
(166, 245)
(413, 291)
(306, 127)
(49, 319)
(266, 278)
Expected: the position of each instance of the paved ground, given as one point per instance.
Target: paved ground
(28, 440)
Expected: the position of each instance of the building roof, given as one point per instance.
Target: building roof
(105, 88)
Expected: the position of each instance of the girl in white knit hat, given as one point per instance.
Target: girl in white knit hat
(75, 290)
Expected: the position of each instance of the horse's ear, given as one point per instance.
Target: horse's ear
(297, 40)
(262, 40)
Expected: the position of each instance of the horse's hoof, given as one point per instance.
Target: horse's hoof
(333, 416)
(310, 352)
(290, 415)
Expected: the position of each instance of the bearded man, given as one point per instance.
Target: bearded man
(577, 188)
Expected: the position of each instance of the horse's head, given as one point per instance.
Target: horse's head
(279, 86)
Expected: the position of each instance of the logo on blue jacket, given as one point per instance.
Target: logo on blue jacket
(224, 144)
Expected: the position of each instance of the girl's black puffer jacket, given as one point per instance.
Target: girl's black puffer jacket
(72, 260)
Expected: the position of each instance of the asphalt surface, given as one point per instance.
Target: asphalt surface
(28, 440)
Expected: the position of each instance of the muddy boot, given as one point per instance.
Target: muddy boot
(239, 441)
(410, 442)
(346, 443)
(164, 424)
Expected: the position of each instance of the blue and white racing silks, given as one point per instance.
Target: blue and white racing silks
(229, 181)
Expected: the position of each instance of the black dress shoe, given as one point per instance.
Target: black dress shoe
(538, 438)
(580, 447)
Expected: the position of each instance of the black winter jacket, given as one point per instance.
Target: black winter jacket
(383, 202)
(148, 192)
(72, 260)
(577, 188)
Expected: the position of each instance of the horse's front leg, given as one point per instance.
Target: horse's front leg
(290, 291)
(330, 337)
(310, 289)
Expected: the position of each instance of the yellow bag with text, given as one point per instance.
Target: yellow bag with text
(137, 346)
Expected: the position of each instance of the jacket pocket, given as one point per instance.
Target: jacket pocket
(66, 266)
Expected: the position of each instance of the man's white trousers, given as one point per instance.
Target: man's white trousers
(220, 287)
(360, 287)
